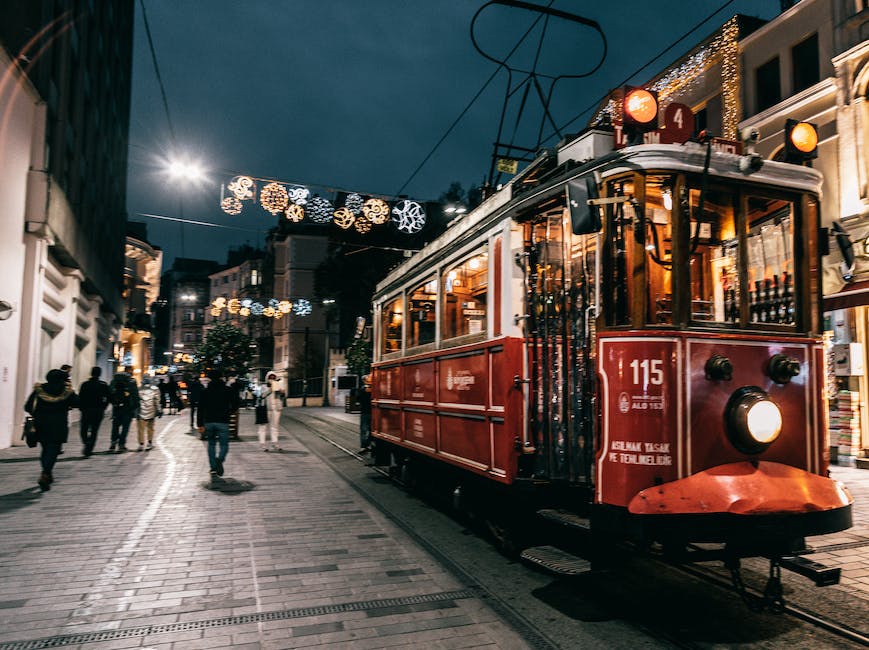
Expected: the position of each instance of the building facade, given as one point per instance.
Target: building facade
(143, 262)
(64, 113)
(184, 299)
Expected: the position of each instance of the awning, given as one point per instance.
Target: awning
(852, 295)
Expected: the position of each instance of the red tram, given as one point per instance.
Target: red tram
(631, 337)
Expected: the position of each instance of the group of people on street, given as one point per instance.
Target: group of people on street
(212, 404)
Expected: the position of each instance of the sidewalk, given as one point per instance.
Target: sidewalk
(141, 550)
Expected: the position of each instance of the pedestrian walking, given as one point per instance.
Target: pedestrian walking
(125, 402)
(216, 405)
(93, 398)
(272, 398)
(364, 399)
(150, 407)
(173, 392)
(194, 390)
(49, 404)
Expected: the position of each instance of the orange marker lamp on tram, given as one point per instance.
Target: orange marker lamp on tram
(801, 141)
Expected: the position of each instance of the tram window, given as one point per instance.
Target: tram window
(715, 290)
(390, 326)
(465, 289)
(620, 247)
(771, 295)
(421, 314)
(659, 242)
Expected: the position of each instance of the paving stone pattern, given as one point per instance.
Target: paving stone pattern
(141, 550)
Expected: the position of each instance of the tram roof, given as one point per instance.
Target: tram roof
(511, 201)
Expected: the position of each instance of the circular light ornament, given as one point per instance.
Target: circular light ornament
(302, 307)
(354, 203)
(320, 210)
(408, 216)
(278, 314)
(244, 311)
(274, 198)
(233, 306)
(362, 224)
(219, 302)
(231, 205)
(216, 311)
(295, 212)
(804, 137)
(285, 306)
(242, 187)
(752, 420)
(269, 312)
(641, 105)
(344, 218)
(376, 210)
(299, 195)
(273, 303)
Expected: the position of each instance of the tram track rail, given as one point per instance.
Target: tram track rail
(535, 637)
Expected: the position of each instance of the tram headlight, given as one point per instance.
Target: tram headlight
(752, 420)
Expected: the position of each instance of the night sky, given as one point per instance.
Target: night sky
(353, 95)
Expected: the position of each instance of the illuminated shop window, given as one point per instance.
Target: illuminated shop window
(421, 302)
(392, 318)
(465, 289)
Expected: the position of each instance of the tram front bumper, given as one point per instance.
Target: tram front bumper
(750, 497)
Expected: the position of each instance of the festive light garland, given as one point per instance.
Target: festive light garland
(273, 308)
(295, 203)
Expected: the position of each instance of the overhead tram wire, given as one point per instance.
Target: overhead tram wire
(157, 72)
(647, 64)
(468, 107)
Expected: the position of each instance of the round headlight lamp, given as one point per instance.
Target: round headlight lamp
(752, 420)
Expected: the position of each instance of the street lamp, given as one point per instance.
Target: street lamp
(188, 171)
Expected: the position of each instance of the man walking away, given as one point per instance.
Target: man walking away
(216, 404)
(93, 398)
(125, 403)
(149, 408)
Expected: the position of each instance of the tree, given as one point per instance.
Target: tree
(359, 357)
(225, 347)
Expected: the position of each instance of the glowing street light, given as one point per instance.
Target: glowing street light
(186, 170)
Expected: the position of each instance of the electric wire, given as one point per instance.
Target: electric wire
(468, 107)
(157, 72)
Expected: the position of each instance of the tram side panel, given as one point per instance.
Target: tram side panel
(460, 406)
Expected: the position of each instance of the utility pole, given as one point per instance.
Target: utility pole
(305, 371)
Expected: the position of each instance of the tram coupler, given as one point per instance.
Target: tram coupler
(821, 575)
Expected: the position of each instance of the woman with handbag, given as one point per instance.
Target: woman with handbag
(49, 404)
(268, 411)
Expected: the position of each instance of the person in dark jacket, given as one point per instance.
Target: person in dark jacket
(125, 404)
(49, 404)
(194, 390)
(93, 398)
(216, 405)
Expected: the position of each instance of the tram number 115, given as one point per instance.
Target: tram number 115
(648, 371)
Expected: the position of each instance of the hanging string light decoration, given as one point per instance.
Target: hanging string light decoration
(344, 218)
(269, 312)
(376, 210)
(302, 307)
(285, 306)
(233, 306)
(257, 309)
(242, 187)
(299, 195)
(408, 216)
(362, 224)
(231, 205)
(295, 212)
(274, 198)
(320, 210)
(354, 203)
(278, 315)
(244, 311)
(216, 311)
(273, 303)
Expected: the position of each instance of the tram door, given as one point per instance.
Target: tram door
(559, 282)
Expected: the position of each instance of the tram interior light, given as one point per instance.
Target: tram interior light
(801, 141)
